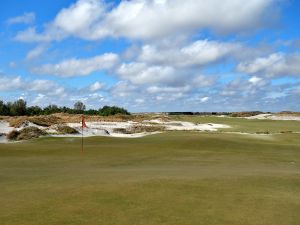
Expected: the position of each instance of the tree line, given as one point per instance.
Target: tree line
(20, 108)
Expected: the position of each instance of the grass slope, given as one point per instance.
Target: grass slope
(175, 178)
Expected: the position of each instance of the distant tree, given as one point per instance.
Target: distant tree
(50, 109)
(34, 110)
(79, 106)
(18, 108)
(4, 110)
(112, 110)
(91, 112)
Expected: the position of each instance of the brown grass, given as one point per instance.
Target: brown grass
(244, 114)
(287, 113)
(69, 118)
(66, 130)
(45, 121)
(62, 118)
(25, 134)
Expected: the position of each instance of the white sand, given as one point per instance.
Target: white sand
(5, 128)
(100, 128)
(274, 117)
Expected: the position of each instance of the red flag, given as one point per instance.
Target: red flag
(83, 122)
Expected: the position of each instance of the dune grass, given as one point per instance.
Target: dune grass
(172, 178)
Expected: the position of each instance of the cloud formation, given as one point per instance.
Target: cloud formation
(26, 18)
(198, 53)
(276, 64)
(162, 55)
(151, 19)
(16, 83)
(78, 67)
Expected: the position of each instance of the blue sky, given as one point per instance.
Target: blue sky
(152, 55)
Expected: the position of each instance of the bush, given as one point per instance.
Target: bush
(286, 132)
(112, 110)
(25, 134)
(245, 114)
(45, 121)
(262, 132)
(13, 135)
(66, 130)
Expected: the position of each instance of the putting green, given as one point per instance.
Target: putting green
(172, 178)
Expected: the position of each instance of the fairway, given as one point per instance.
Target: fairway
(173, 178)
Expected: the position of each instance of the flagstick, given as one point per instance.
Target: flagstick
(82, 137)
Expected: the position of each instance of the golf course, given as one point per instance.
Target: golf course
(248, 174)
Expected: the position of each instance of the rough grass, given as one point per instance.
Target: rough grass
(17, 121)
(45, 121)
(244, 114)
(61, 118)
(68, 118)
(13, 135)
(139, 129)
(66, 130)
(174, 178)
(25, 134)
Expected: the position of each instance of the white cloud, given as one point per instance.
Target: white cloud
(36, 52)
(157, 89)
(12, 64)
(123, 89)
(198, 53)
(204, 99)
(96, 86)
(141, 73)
(26, 18)
(166, 77)
(79, 17)
(39, 99)
(151, 19)
(79, 67)
(30, 35)
(140, 101)
(45, 86)
(277, 64)
(48, 87)
(201, 81)
(256, 81)
(146, 19)
(10, 83)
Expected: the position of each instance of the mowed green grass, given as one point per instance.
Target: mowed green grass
(175, 178)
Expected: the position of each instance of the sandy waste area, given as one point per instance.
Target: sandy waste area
(112, 129)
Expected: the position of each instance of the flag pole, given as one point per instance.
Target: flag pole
(82, 134)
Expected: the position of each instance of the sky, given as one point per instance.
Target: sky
(152, 55)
